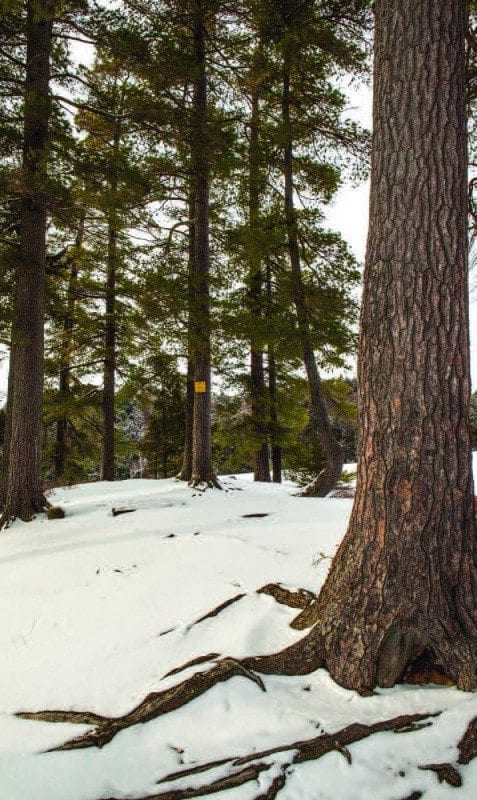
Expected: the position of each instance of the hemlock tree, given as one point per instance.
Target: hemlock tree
(403, 582)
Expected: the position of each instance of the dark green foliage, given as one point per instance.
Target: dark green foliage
(120, 149)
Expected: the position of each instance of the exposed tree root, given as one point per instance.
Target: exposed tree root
(25, 508)
(211, 483)
(467, 752)
(300, 658)
(239, 778)
(75, 717)
(192, 663)
(299, 598)
(468, 744)
(275, 786)
(251, 765)
(217, 610)
(445, 772)
(294, 598)
(306, 618)
(154, 705)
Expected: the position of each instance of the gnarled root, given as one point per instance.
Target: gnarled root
(467, 748)
(243, 769)
(300, 658)
(154, 705)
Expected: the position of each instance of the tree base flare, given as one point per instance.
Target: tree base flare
(201, 484)
(24, 508)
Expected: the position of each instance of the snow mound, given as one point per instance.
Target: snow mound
(97, 608)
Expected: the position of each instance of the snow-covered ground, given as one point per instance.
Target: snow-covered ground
(95, 609)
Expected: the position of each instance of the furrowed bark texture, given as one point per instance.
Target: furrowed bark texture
(403, 582)
(276, 450)
(258, 393)
(109, 366)
(327, 478)
(201, 439)
(23, 487)
(185, 473)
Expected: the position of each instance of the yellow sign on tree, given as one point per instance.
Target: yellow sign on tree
(200, 387)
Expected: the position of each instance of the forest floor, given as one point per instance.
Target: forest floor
(96, 609)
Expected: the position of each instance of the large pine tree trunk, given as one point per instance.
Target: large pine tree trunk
(403, 582)
(202, 472)
(258, 392)
(23, 484)
(330, 475)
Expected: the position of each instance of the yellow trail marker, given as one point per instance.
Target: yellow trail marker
(200, 387)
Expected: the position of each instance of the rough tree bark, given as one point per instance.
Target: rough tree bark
(202, 472)
(258, 392)
(61, 442)
(330, 475)
(185, 473)
(403, 583)
(276, 450)
(6, 438)
(23, 493)
(109, 364)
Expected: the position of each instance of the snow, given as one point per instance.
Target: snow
(96, 609)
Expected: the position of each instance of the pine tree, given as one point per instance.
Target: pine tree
(23, 493)
(402, 584)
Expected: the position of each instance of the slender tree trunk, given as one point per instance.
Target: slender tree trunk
(276, 450)
(329, 476)
(109, 367)
(202, 472)
(23, 485)
(6, 437)
(258, 393)
(185, 473)
(275, 447)
(61, 443)
(403, 583)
